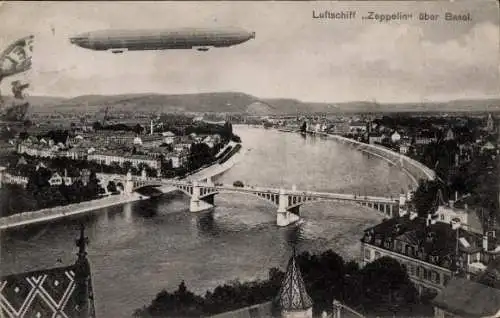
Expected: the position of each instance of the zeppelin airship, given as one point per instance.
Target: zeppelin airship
(118, 41)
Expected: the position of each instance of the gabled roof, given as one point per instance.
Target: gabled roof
(467, 298)
(293, 294)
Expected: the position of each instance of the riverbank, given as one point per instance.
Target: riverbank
(25, 218)
(414, 169)
(217, 168)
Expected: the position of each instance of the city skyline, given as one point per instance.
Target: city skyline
(292, 56)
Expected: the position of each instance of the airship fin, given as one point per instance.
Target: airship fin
(117, 51)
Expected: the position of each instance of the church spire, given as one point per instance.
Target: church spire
(81, 243)
(293, 295)
(84, 296)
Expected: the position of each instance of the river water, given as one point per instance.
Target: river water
(140, 248)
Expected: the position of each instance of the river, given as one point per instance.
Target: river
(140, 248)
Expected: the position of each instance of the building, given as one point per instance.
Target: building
(395, 137)
(357, 126)
(432, 251)
(424, 138)
(110, 158)
(468, 218)
(168, 137)
(55, 180)
(465, 298)
(339, 127)
(375, 138)
(404, 148)
(179, 159)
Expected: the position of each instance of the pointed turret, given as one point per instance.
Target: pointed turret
(293, 298)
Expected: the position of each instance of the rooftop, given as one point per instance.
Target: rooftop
(438, 239)
(467, 298)
(293, 294)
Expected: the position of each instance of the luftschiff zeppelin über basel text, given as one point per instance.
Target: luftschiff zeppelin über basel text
(392, 16)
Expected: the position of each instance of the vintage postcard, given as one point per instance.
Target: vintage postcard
(250, 159)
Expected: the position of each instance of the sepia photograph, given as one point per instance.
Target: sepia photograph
(249, 159)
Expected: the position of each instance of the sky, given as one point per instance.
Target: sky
(292, 56)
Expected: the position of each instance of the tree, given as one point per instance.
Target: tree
(97, 126)
(323, 275)
(388, 290)
(138, 129)
(181, 303)
(425, 196)
(303, 128)
(27, 124)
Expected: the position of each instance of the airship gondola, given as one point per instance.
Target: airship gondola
(119, 41)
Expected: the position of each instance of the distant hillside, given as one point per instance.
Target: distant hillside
(259, 108)
(230, 102)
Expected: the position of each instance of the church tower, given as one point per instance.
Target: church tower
(294, 301)
(490, 125)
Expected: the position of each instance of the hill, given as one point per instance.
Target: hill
(232, 102)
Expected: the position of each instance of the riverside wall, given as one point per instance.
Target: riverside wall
(413, 168)
(48, 214)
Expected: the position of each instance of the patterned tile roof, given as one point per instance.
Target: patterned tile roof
(63, 292)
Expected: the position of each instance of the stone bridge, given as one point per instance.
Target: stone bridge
(287, 201)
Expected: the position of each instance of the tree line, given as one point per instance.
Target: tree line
(381, 288)
(39, 194)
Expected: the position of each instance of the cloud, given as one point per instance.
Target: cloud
(292, 56)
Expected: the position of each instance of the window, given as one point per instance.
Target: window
(377, 254)
(368, 253)
(442, 217)
(412, 269)
(426, 274)
(437, 277)
(399, 246)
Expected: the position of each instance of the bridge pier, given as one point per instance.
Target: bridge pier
(283, 216)
(197, 204)
(128, 187)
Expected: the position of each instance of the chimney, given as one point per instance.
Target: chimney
(151, 132)
(402, 198)
(456, 195)
(485, 242)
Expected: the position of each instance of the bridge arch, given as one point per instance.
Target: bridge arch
(266, 197)
(348, 202)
